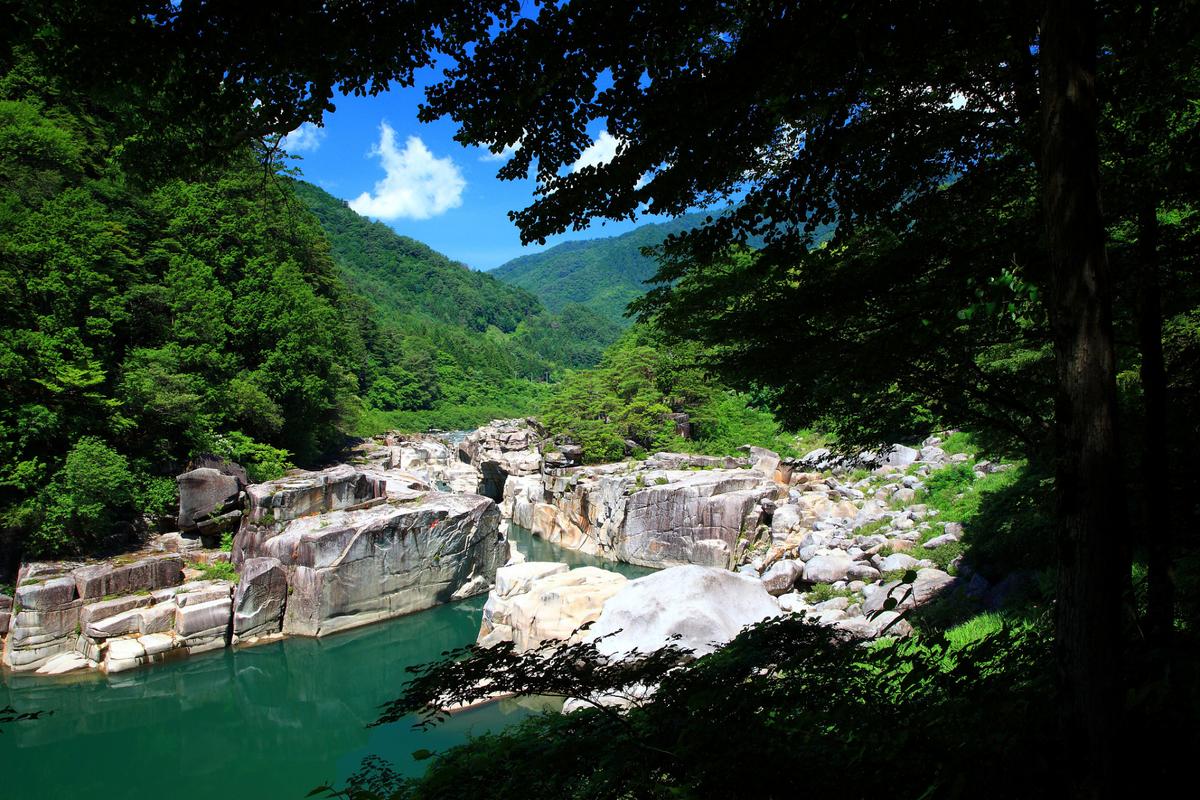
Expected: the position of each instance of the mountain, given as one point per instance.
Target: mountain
(446, 345)
(404, 275)
(603, 275)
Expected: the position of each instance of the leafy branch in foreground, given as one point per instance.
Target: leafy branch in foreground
(580, 670)
(786, 697)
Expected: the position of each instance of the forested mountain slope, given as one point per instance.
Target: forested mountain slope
(441, 335)
(601, 274)
(145, 323)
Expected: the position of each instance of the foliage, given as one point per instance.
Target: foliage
(85, 501)
(445, 346)
(142, 326)
(603, 275)
(788, 692)
(631, 396)
(216, 570)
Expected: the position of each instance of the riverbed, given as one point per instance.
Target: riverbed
(269, 721)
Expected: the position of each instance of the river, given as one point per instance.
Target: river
(267, 721)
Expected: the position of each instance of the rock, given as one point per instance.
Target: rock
(353, 566)
(205, 493)
(764, 461)
(833, 604)
(827, 568)
(156, 643)
(477, 585)
(204, 592)
(930, 583)
(938, 541)
(862, 572)
(783, 520)
(157, 618)
(705, 606)
(878, 625)
(117, 578)
(794, 603)
(306, 494)
(555, 606)
(900, 456)
(502, 449)
(904, 495)
(55, 593)
(877, 599)
(201, 620)
(693, 518)
(516, 579)
(897, 561)
(260, 597)
(177, 543)
(63, 663)
(954, 529)
(124, 654)
(106, 608)
(782, 576)
(933, 455)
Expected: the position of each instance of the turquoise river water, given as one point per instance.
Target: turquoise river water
(268, 721)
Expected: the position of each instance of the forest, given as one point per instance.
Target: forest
(950, 217)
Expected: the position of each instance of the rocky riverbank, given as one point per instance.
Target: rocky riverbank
(315, 553)
(414, 521)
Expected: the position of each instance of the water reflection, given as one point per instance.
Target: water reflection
(274, 720)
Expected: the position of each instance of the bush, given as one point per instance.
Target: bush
(86, 501)
(262, 461)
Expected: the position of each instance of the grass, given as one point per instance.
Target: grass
(227, 542)
(975, 629)
(216, 571)
(959, 442)
(868, 528)
(824, 591)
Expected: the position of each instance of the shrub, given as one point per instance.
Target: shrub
(86, 501)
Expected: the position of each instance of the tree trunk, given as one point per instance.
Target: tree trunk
(1087, 474)
(1156, 519)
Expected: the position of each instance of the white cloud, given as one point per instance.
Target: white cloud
(601, 151)
(417, 184)
(305, 139)
(503, 155)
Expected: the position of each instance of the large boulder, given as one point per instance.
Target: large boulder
(364, 560)
(274, 504)
(116, 577)
(691, 518)
(45, 616)
(551, 607)
(704, 606)
(208, 500)
(260, 598)
(502, 449)
(828, 567)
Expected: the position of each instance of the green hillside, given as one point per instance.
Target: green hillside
(601, 274)
(447, 346)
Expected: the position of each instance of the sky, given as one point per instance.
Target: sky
(374, 153)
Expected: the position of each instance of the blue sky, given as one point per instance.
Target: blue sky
(374, 153)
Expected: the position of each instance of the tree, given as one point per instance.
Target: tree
(868, 116)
